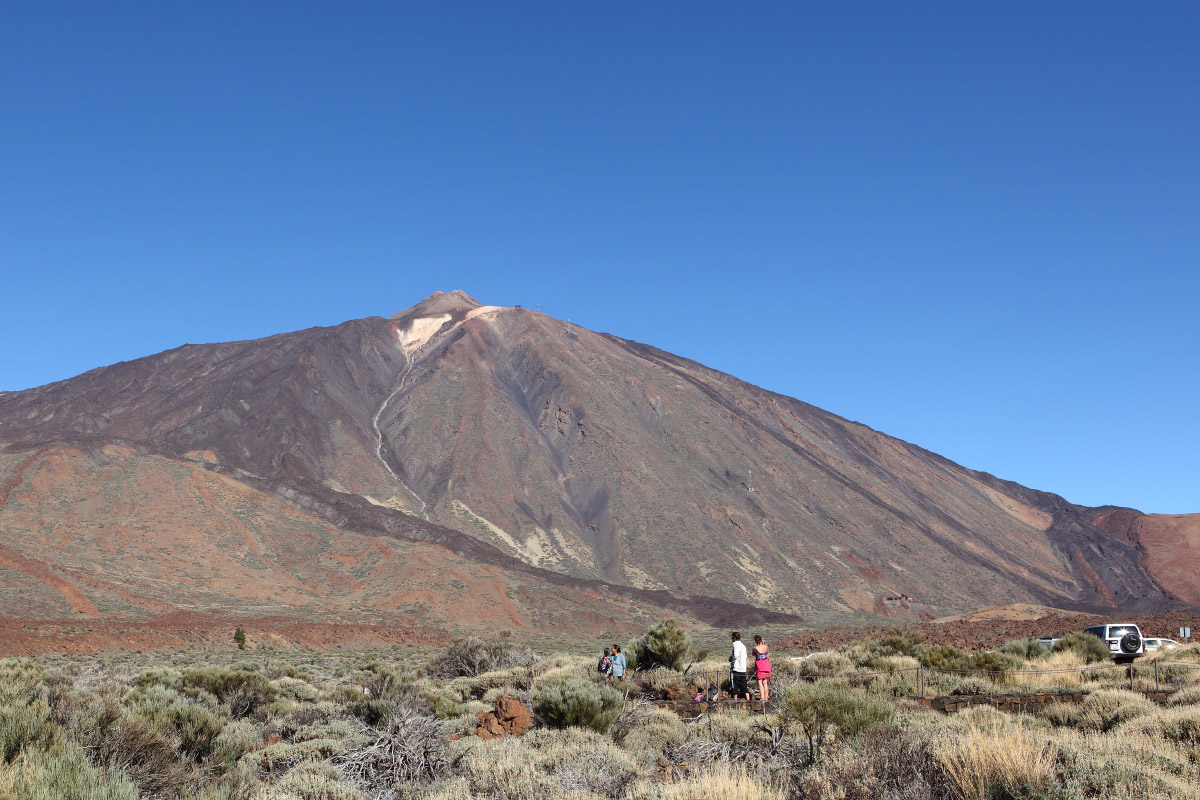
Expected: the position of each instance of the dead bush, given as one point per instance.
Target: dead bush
(472, 656)
(410, 750)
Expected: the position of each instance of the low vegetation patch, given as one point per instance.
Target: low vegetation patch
(261, 725)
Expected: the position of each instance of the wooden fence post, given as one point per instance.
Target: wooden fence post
(1157, 686)
(921, 680)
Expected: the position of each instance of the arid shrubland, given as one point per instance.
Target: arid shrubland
(253, 725)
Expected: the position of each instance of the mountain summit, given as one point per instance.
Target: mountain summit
(438, 303)
(460, 463)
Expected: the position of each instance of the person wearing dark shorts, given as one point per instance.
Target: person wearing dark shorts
(737, 669)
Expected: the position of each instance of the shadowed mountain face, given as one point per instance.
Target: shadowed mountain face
(595, 474)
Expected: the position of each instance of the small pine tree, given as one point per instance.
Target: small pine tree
(239, 637)
(664, 645)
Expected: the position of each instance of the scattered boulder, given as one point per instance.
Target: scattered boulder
(508, 718)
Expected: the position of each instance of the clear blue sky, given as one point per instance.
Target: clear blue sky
(975, 226)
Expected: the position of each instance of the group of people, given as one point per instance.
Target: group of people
(613, 664)
(737, 668)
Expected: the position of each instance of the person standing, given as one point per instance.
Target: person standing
(618, 663)
(604, 667)
(762, 668)
(737, 668)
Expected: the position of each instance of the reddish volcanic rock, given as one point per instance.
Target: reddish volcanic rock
(508, 718)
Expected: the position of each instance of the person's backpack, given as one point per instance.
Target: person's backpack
(605, 665)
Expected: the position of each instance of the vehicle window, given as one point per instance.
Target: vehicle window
(1117, 631)
(1096, 631)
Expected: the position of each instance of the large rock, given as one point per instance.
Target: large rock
(508, 718)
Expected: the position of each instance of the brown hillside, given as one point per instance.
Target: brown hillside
(462, 465)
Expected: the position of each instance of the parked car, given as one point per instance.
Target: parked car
(1160, 644)
(1124, 640)
(1049, 641)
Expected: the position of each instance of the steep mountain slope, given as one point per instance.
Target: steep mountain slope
(576, 470)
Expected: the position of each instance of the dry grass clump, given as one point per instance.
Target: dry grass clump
(1179, 725)
(1000, 757)
(1062, 666)
(1124, 763)
(716, 782)
(1187, 696)
(647, 733)
(1104, 709)
(571, 763)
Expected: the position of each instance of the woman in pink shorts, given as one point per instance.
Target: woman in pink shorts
(762, 668)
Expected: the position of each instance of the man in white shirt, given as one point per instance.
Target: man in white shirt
(737, 667)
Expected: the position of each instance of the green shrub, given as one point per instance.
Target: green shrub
(550, 764)
(664, 645)
(245, 692)
(235, 740)
(898, 642)
(372, 710)
(1092, 648)
(136, 747)
(24, 725)
(817, 707)
(574, 701)
(1060, 715)
(278, 758)
(1029, 649)
(950, 658)
(62, 773)
(296, 689)
(650, 733)
(160, 676)
(310, 781)
(817, 665)
(194, 725)
(972, 686)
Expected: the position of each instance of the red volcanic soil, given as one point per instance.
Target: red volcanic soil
(193, 631)
(1169, 544)
(988, 634)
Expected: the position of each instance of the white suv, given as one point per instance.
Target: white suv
(1124, 640)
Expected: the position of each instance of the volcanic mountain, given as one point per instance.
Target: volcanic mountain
(461, 464)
